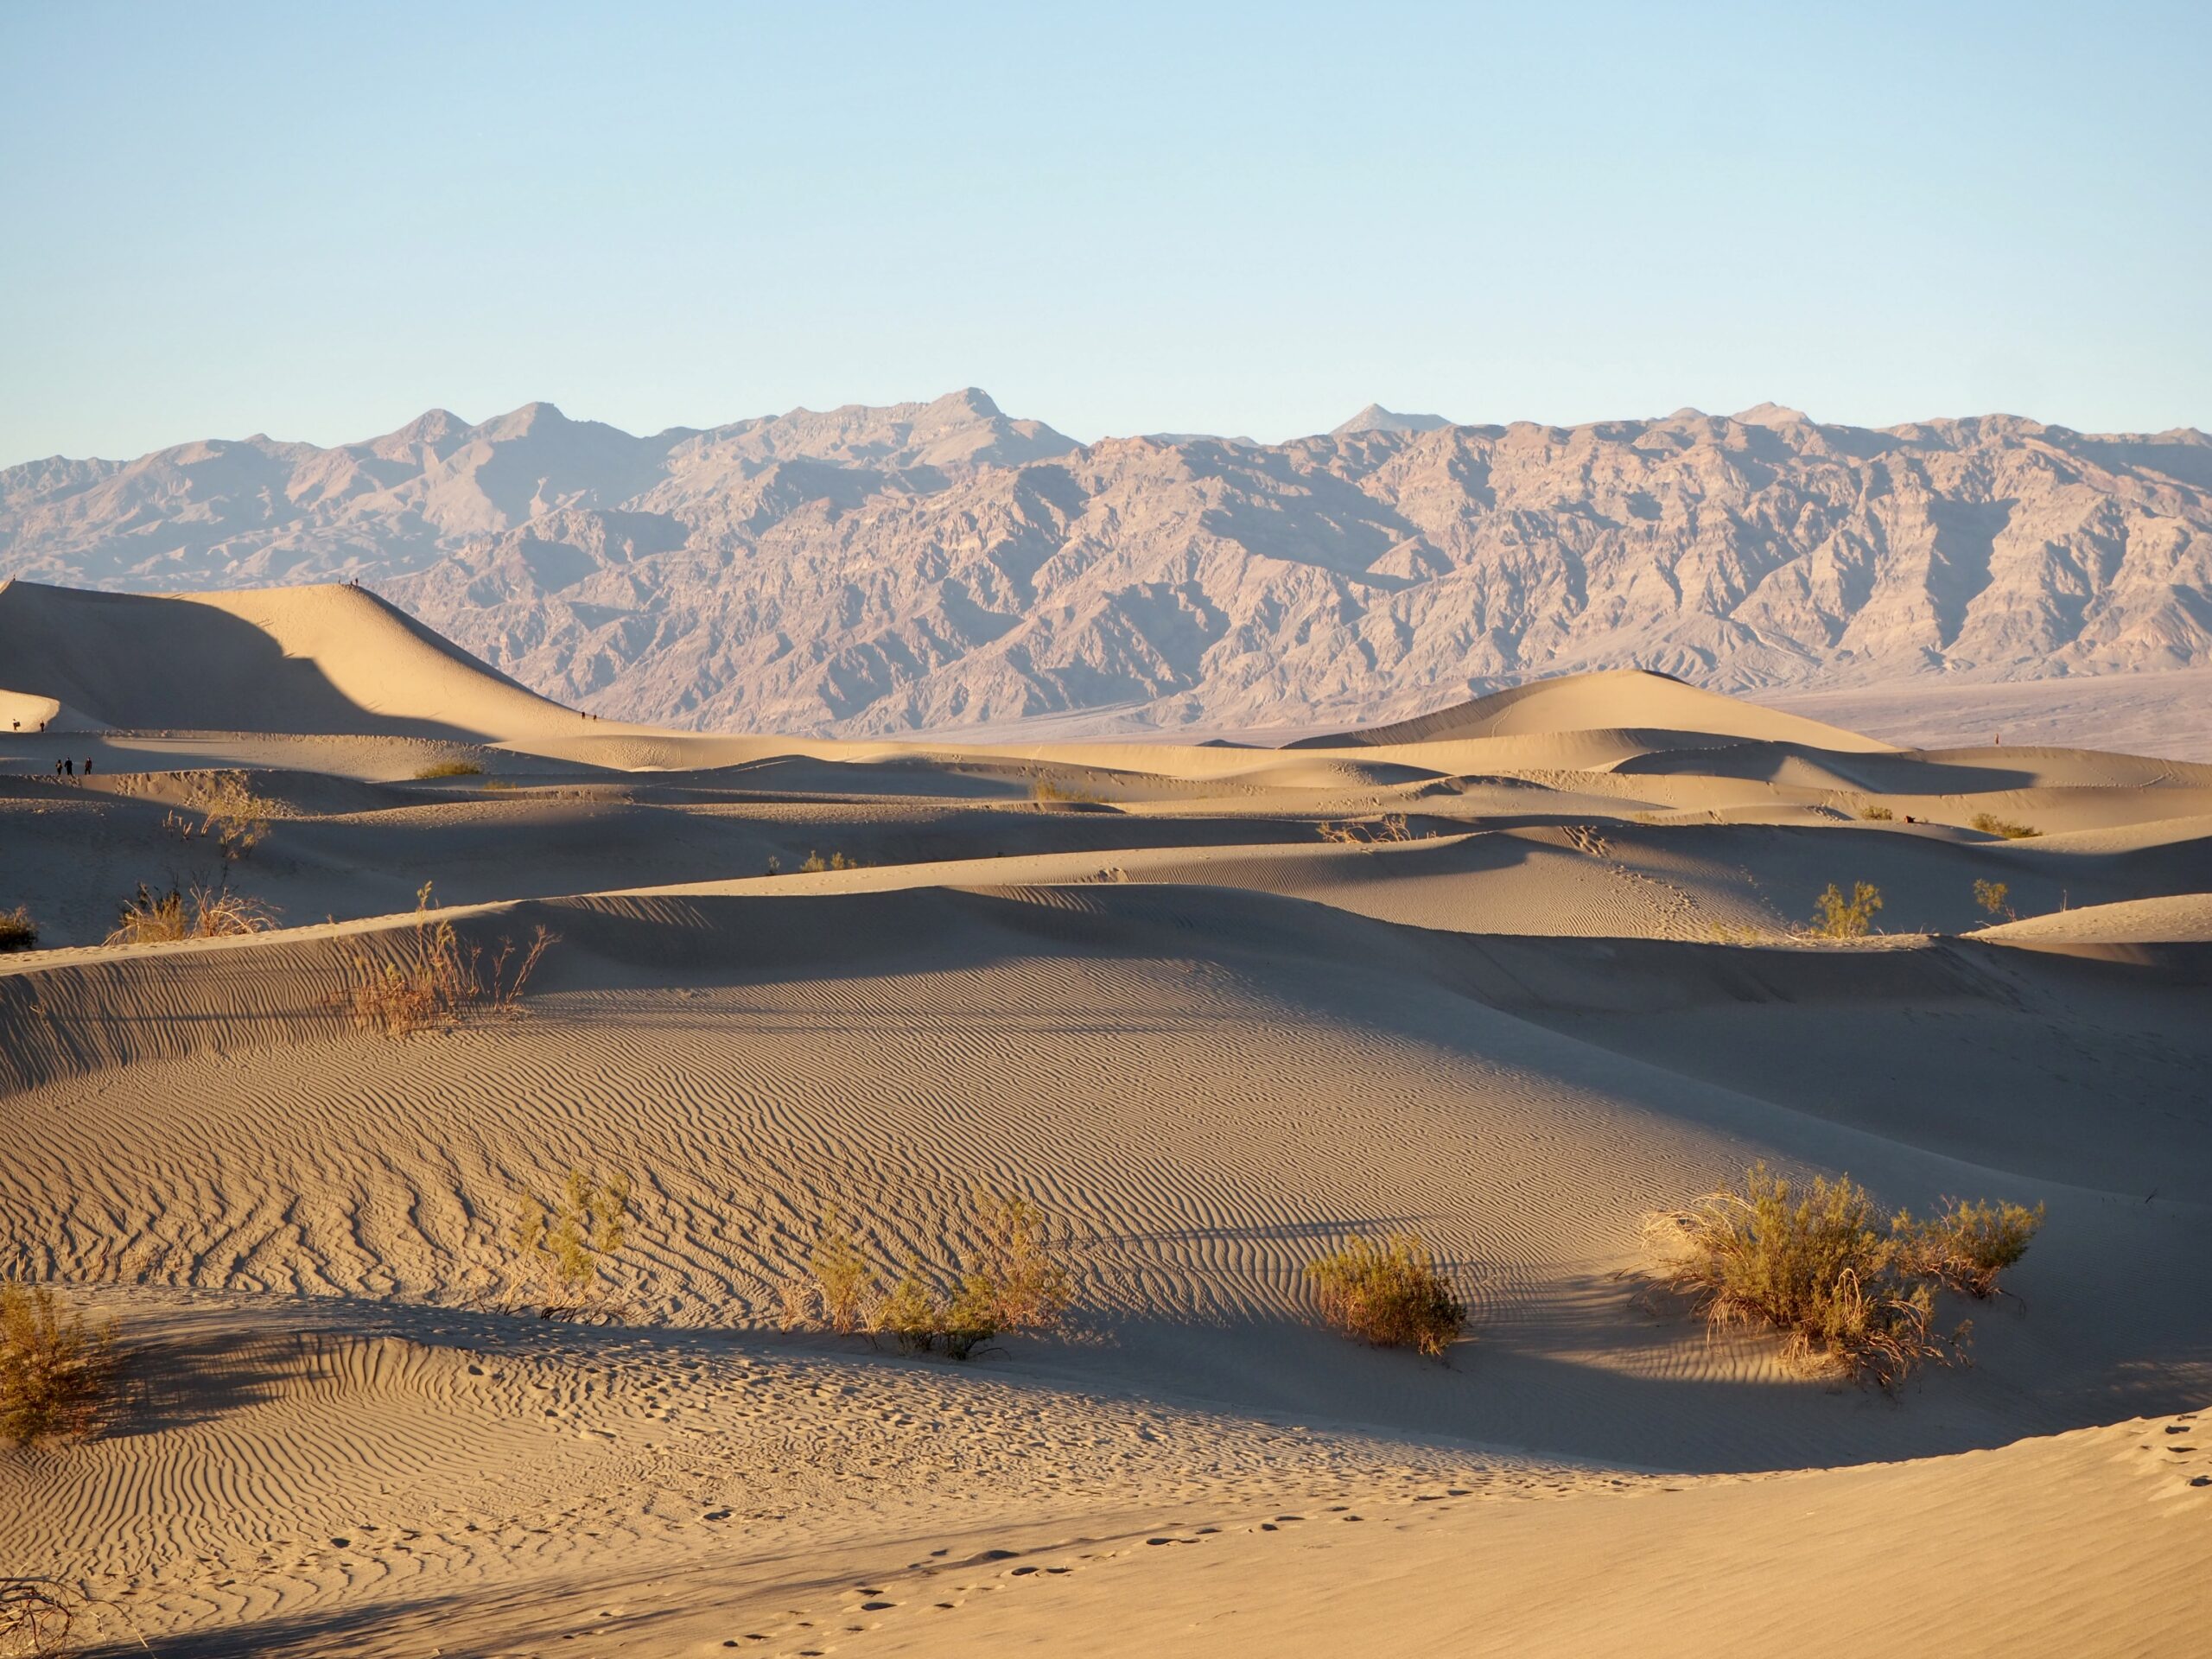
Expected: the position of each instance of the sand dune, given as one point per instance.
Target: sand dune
(1513, 978)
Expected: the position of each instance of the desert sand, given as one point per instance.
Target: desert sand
(1552, 977)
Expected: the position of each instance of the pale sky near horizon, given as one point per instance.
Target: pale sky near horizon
(318, 221)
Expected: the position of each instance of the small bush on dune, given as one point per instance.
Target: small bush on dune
(1851, 1290)
(450, 769)
(1876, 814)
(149, 917)
(232, 815)
(57, 1370)
(1991, 896)
(17, 930)
(816, 864)
(1355, 832)
(1021, 1283)
(436, 980)
(1390, 1294)
(1050, 789)
(1969, 1244)
(843, 1277)
(1820, 1266)
(1990, 824)
(568, 1241)
(1835, 916)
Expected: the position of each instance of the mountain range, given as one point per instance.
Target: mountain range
(882, 570)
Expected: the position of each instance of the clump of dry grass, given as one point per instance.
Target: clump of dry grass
(568, 1241)
(1020, 1282)
(147, 918)
(450, 769)
(17, 930)
(1365, 832)
(1969, 1244)
(436, 980)
(233, 816)
(1390, 1294)
(1851, 1291)
(1835, 916)
(1050, 788)
(1876, 813)
(816, 863)
(1990, 824)
(57, 1369)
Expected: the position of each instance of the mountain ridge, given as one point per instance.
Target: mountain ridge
(874, 571)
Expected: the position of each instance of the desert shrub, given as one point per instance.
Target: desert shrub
(569, 1240)
(1990, 824)
(147, 918)
(1835, 916)
(1050, 789)
(233, 816)
(436, 980)
(843, 1277)
(17, 930)
(57, 1370)
(816, 863)
(35, 1615)
(450, 769)
(1390, 1294)
(1021, 1283)
(1819, 1265)
(1991, 896)
(1361, 832)
(1969, 1244)
(1877, 814)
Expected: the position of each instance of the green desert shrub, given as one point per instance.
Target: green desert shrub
(57, 1370)
(1390, 1294)
(816, 864)
(1835, 916)
(843, 1279)
(1853, 1291)
(1990, 824)
(1969, 1245)
(450, 769)
(17, 930)
(1019, 1282)
(569, 1242)
(1991, 896)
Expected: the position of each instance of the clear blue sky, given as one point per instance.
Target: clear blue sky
(318, 220)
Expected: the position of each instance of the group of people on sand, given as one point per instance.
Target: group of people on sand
(66, 766)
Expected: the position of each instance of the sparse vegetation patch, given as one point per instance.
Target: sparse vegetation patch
(1390, 1294)
(816, 864)
(149, 917)
(1991, 896)
(1835, 916)
(1361, 832)
(1851, 1291)
(1969, 1244)
(17, 930)
(57, 1369)
(1990, 824)
(450, 769)
(569, 1240)
(233, 816)
(435, 980)
(1875, 813)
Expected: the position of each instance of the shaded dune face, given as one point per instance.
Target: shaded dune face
(1512, 977)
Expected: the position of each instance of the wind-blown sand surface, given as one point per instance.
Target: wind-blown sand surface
(1136, 983)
